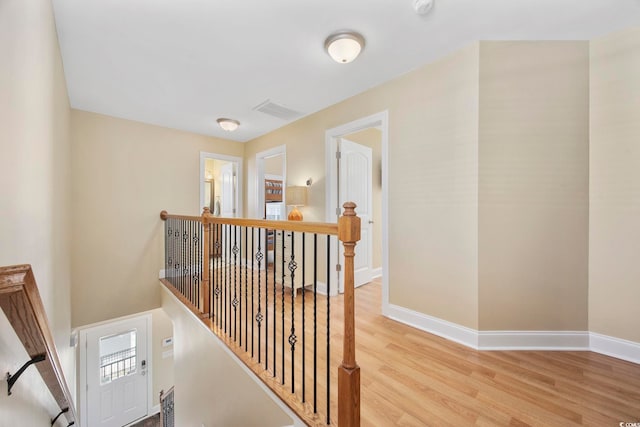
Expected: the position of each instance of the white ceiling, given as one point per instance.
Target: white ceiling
(184, 63)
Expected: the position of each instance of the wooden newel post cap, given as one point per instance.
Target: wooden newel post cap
(206, 211)
(164, 215)
(349, 224)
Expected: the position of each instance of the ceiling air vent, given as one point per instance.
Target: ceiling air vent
(275, 110)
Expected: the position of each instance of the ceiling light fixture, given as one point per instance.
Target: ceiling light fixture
(344, 46)
(228, 124)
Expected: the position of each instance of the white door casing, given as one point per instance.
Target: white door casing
(237, 162)
(116, 372)
(380, 121)
(228, 190)
(355, 181)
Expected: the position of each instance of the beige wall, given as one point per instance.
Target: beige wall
(534, 177)
(35, 202)
(433, 114)
(212, 388)
(274, 165)
(614, 223)
(124, 174)
(163, 374)
(372, 138)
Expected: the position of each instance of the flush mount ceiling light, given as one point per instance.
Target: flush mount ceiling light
(228, 124)
(344, 46)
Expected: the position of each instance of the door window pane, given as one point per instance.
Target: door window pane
(117, 356)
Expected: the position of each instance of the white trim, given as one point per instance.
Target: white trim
(294, 417)
(379, 121)
(533, 340)
(615, 347)
(83, 330)
(451, 331)
(517, 340)
(376, 272)
(239, 185)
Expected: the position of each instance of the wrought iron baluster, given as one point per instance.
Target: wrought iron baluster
(253, 275)
(259, 316)
(304, 263)
(292, 336)
(328, 329)
(315, 323)
(229, 299)
(234, 302)
(266, 299)
(246, 290)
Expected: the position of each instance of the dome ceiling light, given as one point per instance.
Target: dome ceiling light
(344, 46)
(228, 125)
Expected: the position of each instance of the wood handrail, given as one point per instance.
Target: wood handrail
(297, 226)
(21, 303)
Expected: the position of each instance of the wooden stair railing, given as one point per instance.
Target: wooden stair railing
(199, 301)
(21, 303)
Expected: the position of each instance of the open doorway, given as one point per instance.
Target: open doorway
(271, 174)
(356, 171)
(221, 184)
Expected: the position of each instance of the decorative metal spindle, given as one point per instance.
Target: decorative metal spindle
(220, 273)
(234, 302)
(226, 280)
(266, 297)
(187, 264)
(168, 257)
(229, 299)
(253, 235)
(246, 290)
(240, 287)
(282, 306)
(328, 329)
(292, 335)
(304, 263)
(315, 323)
(259, 316)
(275, 322)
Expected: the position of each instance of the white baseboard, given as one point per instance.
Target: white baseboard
(376, 272)
(433, 325)
(533, 340)
(615, 347)
(517, 340)
(154, 410)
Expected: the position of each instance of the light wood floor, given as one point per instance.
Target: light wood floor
(412, 378)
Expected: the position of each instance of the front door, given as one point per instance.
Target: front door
(116, 373)
(355, 181)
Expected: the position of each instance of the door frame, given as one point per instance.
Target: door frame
(260, 157)
(239, 174)
(381, 121)
(82, 384)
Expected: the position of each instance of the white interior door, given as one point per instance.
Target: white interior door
(116, 373)
(228, 202)
(355, 181)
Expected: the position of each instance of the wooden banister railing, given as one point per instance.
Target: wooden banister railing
(234, 274)
(21, 303)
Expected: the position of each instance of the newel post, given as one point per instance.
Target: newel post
(349, 371)
(204, 282)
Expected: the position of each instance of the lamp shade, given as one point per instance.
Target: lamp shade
(296, 196)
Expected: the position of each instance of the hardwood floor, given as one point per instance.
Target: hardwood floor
(412, 378)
